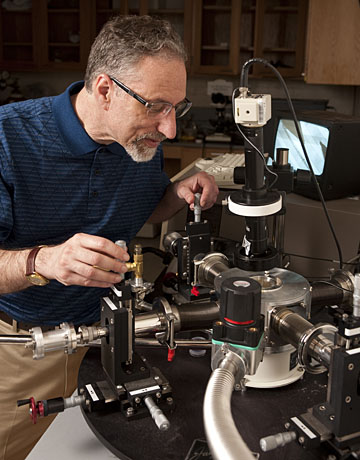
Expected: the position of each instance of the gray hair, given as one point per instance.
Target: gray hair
(125, 40)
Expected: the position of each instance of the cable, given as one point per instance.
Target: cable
(331, 284)
(244, 83)
(252, 145)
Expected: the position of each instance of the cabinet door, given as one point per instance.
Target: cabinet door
(333, 42)
(177, 12)
(105, 9)
(280, 36)
(66, 33)
(17, 49)
(216, 40)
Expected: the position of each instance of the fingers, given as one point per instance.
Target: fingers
(200, 182)
(84, 260)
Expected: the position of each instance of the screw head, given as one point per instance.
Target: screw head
(169, 400)
(351, 366)
(158, 395)
(332, 417)
(137, 400)
(322, 407)
(301, 440)
(129, 411)
(287, 425)
(348, 399)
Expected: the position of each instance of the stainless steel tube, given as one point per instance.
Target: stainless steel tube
(15, 339)
(148, 322)
(223, 437)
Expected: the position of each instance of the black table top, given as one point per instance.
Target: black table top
(257, 412)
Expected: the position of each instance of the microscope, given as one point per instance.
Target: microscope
(256, 315)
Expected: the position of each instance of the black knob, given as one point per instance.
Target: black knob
(240, 301)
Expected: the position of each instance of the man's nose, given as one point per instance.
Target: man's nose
(167, 125)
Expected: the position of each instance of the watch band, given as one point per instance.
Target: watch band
(30, 261)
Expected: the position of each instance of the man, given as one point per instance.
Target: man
(79, 171)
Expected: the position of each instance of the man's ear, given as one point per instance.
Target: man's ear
(103, 91)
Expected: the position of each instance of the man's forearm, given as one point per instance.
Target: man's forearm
(12, 271)
(169, 205)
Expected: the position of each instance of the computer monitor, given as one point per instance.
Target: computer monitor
(332, 141)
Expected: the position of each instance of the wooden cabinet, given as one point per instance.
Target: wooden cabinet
(279, 35)
(229, 32)
(216, 36)
(17, 50)
(220, 35)
(178, 12)
(333, 42)
(50, 34)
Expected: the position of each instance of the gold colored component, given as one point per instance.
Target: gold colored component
(138, 265)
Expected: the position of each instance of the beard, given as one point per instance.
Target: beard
(140, 152)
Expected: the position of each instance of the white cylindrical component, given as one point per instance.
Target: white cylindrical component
(157, 414)
(197, 208)
(254, 211)
(356, 296)
(122, 244)
(277, 440)
(222, 435)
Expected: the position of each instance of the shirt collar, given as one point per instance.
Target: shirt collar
(73, 134)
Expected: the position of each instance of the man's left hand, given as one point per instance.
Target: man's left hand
(198, 183)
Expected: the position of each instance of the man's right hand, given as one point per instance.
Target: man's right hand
(83, 260)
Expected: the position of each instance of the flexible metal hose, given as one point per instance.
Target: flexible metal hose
(223, 437)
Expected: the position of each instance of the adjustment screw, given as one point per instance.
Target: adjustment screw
(158, 395)
(332, 417)
(137, 399)
(301, 440)
(348, 399)
(351, 367)
(322, 407)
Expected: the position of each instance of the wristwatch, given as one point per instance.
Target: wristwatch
(31, 274)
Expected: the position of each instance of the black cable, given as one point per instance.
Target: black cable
(331, 284)
(165, 256)
(244, 83)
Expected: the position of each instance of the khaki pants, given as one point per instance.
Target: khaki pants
(22, 377)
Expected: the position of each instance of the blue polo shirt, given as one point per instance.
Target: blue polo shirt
(55, 181)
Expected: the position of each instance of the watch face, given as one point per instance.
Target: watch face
(37, 280)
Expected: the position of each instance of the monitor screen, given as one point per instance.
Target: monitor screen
(315, 137)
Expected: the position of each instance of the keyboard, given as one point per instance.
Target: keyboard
(222, 167)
